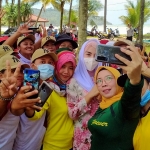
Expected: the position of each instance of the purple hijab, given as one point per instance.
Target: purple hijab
(81, 74)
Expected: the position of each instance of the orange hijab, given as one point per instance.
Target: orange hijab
(106, 102)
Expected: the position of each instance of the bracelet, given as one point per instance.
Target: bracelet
(6, 99)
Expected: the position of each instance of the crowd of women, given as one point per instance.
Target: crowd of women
(92, 106)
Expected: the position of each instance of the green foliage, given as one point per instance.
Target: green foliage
(133, 13)
(94, 7)
(74, 17)
(11, 15)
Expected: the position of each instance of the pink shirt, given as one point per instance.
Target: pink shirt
(80, 112)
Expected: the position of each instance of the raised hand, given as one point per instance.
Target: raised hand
(93, 93)
(21, 101)
(24, 29)
(8, 85)
(44, 34)
(133, 67)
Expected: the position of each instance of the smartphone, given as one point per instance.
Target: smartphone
(44, 92)
(32, 78)
(34, 29)
(106, 53)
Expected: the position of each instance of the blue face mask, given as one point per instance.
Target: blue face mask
(145, 98)
(46, 71)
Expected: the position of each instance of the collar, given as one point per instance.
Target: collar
(24, 60)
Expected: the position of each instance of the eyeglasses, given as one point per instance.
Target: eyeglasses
(107, 79)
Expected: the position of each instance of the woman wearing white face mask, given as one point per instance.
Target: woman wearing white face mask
(81, 94)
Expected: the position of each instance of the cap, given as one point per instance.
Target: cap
(65, 37)
(122, 80)
(123, 41)
(42, 52)
(20, 39)
(13, 61)
(5, 49)
(46, 39)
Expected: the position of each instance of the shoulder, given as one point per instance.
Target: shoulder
(72, 83)
(74, 89)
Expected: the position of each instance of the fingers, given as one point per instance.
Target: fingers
(17, 70)
(36, 107)
(5, 84)
(8, 69)
(28, 21)
(124, 60)
(28, 94)
(24, 89)
(30, 102)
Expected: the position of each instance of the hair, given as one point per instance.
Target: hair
(141, 48)
(2, 71)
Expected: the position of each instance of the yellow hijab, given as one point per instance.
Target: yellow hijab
(106, 102)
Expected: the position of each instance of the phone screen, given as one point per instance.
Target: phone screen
(107, 53)
(32, 78)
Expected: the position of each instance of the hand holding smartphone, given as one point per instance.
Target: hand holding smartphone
(105, 53)
(44, 92)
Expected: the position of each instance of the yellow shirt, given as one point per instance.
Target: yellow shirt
(59, 133)
(141, 139)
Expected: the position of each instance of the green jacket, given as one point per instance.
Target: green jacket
(113, 128)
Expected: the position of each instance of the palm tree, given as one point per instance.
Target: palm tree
(19, 19)
(1, 12)
(11, 14)
(142, 2)
(26, 11)
(59, 5)
(73, 18)
(133, 13)
(83, 15)
(69, 18)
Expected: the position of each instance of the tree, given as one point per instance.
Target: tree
(10, 17)
(105, 15)
(1, 13)
(70, 12)
(142, 2)
(133, 13)
(19, 19)
(11, 14)
(26, 11)
(44, 4)
(83, 15)
(73, 18)
(59, 5)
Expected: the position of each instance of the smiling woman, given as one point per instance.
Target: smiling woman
(26, 48)
(117, 117)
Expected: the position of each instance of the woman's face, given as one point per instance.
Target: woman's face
(106, 84)
(66, 72)
(49, 45)
(66, 44)
(43, 60)
(90, 50)
(26, 47)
